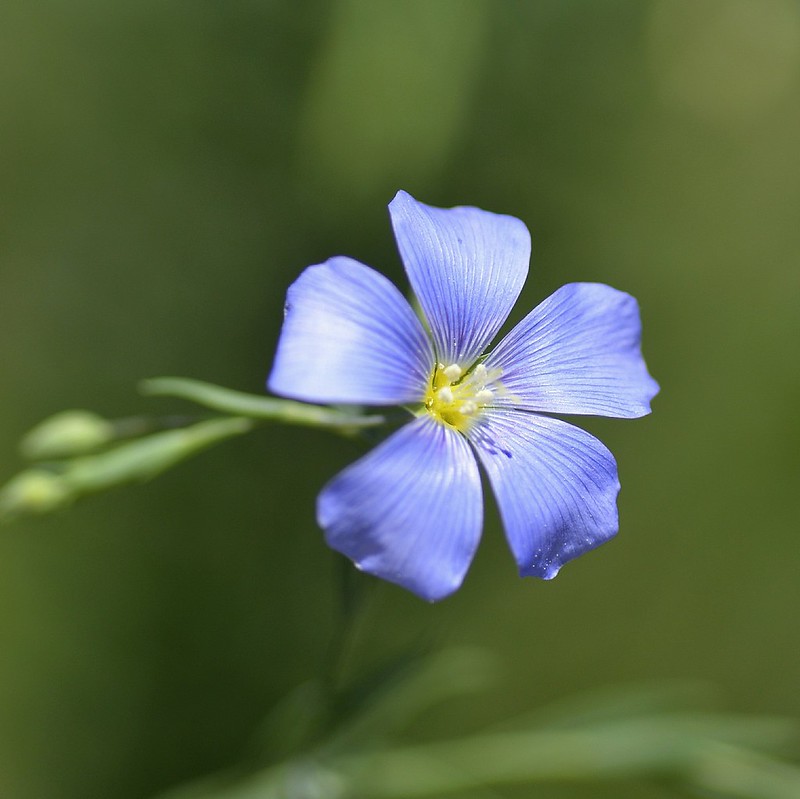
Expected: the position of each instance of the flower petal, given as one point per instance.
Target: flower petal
(577, 352)
(350, 336)
(467, 268)
(556, 487)
(410, 511)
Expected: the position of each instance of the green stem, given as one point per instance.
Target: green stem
(352, 594)
(238, 403)
(144, 458)
(42, 489)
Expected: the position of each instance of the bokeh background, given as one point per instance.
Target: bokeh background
(168, 168)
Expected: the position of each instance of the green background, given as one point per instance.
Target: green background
(168, 168)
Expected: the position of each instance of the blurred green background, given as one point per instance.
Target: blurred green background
(168, 168)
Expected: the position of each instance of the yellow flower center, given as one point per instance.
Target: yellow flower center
(454, 398)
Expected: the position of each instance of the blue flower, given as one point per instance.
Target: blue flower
(411, 511)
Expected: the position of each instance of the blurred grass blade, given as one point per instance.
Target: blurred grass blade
(621, 701)
(423, 684)
(226, 400)
(677, 746)
(293, 724)
(743, 774)
(724, 755)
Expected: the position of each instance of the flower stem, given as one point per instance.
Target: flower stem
(254, 406)
(352, 596)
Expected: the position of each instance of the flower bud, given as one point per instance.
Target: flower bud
(66, 433)
(33, 491)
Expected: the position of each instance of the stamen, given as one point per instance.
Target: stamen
(469, 407)
(453, 372)
(445, 395)
(456, 397)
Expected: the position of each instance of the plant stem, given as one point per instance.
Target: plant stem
(254, 406)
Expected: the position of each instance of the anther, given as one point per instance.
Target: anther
(453, 372)
(480, 372)
(484, 395)
(445, 395)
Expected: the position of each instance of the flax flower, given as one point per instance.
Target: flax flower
(411, 510)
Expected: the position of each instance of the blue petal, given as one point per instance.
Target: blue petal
(467, 268)
(577, 352)
(410, 511)
(556, 487)
(350, 336)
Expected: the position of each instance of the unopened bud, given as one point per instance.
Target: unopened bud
(33, 491)
(65, 434)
